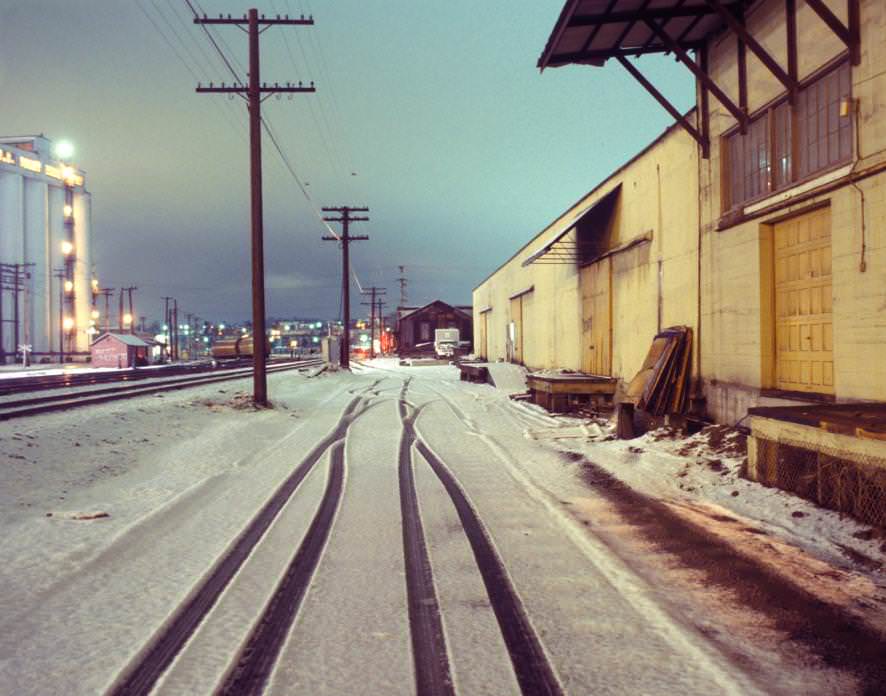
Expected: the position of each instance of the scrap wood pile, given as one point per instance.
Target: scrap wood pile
(662, 384)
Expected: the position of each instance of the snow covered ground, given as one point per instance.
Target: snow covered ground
(112, 516)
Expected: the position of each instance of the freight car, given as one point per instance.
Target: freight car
(235, 348)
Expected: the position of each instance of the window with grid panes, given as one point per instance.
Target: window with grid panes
(769, 157)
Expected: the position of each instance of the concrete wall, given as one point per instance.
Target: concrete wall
(657, 198)
(734, 315)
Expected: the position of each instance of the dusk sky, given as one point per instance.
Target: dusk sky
(432, 114)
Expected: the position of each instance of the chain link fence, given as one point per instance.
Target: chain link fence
(851, 483)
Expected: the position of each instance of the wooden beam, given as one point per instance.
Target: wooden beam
(679, 4)
(609, 17)
(742, 73)
(755, 46)
(593, 34)
(603, 54)
(705, 111)
(706, 81)
(854, 32)
(829, 18)
(627, 30)
(790, 9)
(661, 99)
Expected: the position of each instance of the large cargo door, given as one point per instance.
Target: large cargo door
(596, 315)
(517, 329)
(480, 349)
(804, 345)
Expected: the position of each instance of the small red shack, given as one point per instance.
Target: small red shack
(118, 350)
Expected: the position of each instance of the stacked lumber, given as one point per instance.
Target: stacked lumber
(662, 384)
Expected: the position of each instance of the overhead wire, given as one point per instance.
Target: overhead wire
(194, 6)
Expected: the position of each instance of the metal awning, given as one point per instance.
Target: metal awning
(590, 32)
(561, 250)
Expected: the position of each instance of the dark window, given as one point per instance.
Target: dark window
(771, 156)
(824, 136)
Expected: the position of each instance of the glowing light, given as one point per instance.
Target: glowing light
(95, 284)
(69, 210)
(221, 327)
(243, 330)
(69, 175)
(67, 247)
(64, 149)
(95, 314)
(31, 165)
(68, 323)
(69, 286)
(286, 327)
(127, 318)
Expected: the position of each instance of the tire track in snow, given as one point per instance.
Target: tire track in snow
(431, 659)
(533, 670)
(140, 677)
(258, 657)
(620, 576)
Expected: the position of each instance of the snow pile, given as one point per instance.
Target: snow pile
(507, 377)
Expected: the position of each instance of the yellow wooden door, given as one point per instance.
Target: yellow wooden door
(517, 319)
(480, 348)
(804, 344)
(596, 315)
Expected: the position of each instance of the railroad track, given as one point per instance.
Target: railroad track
(251, 668)
(17, 385)
(36, 405)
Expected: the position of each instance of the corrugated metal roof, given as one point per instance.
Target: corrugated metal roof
(592, 31)
(128, 339)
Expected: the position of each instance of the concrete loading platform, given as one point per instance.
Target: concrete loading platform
(560, 392)
(832, 454)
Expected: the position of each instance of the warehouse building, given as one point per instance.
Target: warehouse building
(757, 220)
(45, 251)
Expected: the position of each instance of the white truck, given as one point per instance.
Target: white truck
(445, 342)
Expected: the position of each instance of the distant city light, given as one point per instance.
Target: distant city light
(221, 327)
(67, 247)
(316, 339)
(68, 175)
(166, 327)
(286, 327)
(244, 330)
(64, 150)
(95, 284)
(206, 339)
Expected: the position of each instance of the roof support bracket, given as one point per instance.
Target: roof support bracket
(661, 99)
(848, 35)
(700, 75)
(758, 50)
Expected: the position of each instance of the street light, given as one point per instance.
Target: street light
(68, 210)
(95, 314)
(67, 247)
(127, 318)
(67, 323)
(64, 150)
(69, 286)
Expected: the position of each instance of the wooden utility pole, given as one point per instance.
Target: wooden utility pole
(346, 218)
(373, 292)
(106, 293)
(129, 291)
(253, 92)
(381, 325)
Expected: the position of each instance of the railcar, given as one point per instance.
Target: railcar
(235, 348)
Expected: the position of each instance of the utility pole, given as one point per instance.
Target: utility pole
(402, 281)
(168, 330)
(59, 273)
(381, 325)
(128, 291)
(345, 218)
(374, 292)
(254, 92)
(106, 293)
(175, 329)
(120, 311)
